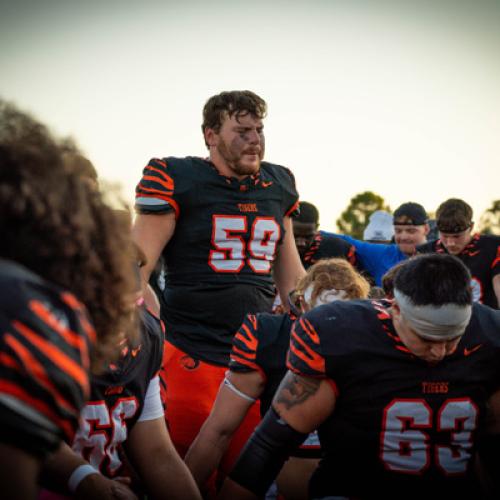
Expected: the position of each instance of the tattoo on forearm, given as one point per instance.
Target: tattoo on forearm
(295, 389)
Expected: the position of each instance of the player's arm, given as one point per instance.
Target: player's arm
(163, 473)
(496, 288)
(488, 462)
(67, 472)
(300, 405)
(18, 472)
(152, 232)
(234, 399)
(288, 268)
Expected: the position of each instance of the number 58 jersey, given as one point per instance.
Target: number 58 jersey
(220, 257)
(401, 428)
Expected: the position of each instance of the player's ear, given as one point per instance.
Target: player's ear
(395, 309)
(210, 137)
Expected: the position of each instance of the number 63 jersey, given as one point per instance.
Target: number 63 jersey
(401, 427)
(220, 257)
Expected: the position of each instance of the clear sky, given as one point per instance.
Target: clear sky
(400, 98)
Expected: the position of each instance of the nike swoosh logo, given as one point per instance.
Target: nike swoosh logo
(468, 352)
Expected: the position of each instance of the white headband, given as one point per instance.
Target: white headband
(325, 297)
(434, 322)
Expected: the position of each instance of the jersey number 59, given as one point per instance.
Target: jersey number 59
(233, 246)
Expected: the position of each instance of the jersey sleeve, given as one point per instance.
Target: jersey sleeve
(243, 357)
(304, 356)
(154, 329)
(155, 193)
(291, 198)
(495, 265)
(44, 366)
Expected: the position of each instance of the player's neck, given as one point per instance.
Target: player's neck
(224, 168)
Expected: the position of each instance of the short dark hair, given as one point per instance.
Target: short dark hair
(453, 216)
(308, 213)
(239, 102)
(434, 279)
(389, 277)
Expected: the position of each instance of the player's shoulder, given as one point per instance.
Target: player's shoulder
(277, 172)
(333, 241)
(488, 241)
(178, 165)
(352, 316)
(485, 321)
(428, 247)
(271, 326)
(20, 288)
(150, 325)
(12, 273)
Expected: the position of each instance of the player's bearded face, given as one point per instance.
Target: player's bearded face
(240, 144)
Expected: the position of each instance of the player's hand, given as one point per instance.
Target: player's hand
(99, 486)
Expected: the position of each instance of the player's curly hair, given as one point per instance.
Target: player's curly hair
(328, 274)
(239, 102)
(59, 227)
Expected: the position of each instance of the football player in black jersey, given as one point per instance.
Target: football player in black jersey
(480, 253)
(62, 248)
(258, 363)
(314, 245)
(223, 226)
(399, 391)
(124, 416)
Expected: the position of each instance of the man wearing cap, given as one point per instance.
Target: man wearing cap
(379, 228)
(410, 230)
(396, 392)
(480, 253)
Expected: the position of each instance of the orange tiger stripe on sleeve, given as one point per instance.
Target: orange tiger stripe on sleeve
(64, 362)
(8, 387)
(33, 366)
(313, 359)
(167, 185)
(249, 340)
(245, 362)
(169, 182)
(246, 355)
(309, 330)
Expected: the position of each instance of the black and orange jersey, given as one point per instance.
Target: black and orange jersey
(117, 399)
(482, 258)
(325, 246)
(45, 341)
(261, 345)
(400, 424)
(219, 260)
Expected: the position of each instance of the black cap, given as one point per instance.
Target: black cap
(410, 214)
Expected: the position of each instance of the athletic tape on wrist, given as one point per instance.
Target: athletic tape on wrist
(78, 475)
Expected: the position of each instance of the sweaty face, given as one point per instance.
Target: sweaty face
(431, 351)
(304, 233)
(456, 242)
(238, 148)
(407, 237)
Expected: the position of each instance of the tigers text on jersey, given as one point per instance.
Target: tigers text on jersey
(218, 262)
(45, 340)
(117, 399)
(401, 428)
(482, 258)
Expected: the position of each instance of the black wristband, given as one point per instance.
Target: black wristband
(265, 453)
